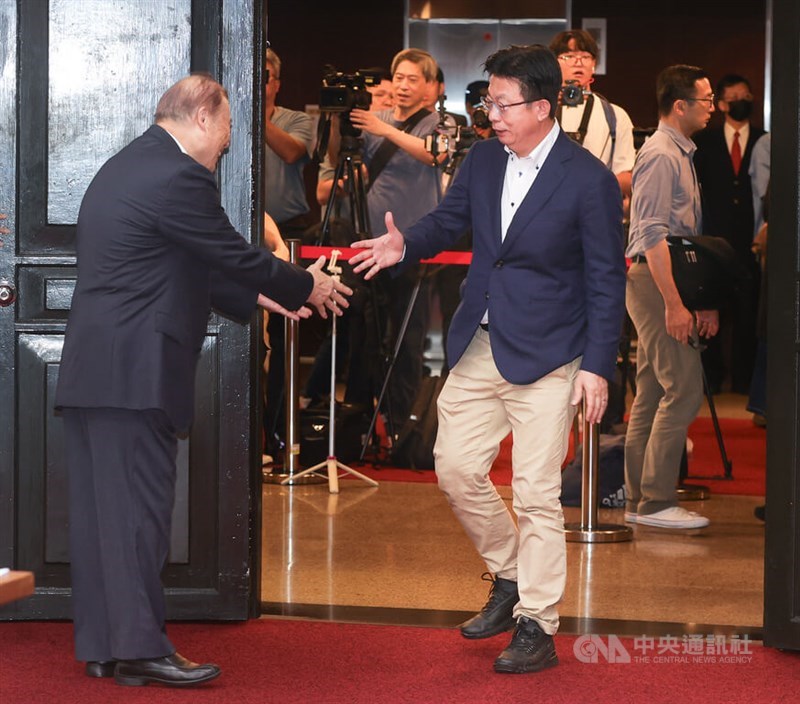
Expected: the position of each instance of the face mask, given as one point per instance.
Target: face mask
(740, 110)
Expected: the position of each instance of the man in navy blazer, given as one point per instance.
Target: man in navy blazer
(155, 252)
(537, 330)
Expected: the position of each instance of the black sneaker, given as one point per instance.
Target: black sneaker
(530, 650)
(498, 613)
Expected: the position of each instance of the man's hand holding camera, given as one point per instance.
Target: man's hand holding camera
(379, 252)
(369, 122)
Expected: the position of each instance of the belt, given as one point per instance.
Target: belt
(639, 259)
(485, 326)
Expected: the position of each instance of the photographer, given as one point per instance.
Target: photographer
(478, 115)
(403, 178)
(602, 128)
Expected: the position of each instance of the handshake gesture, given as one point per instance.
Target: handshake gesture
(328, 292)
(379, 252)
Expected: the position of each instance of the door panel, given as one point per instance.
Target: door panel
(90, 74)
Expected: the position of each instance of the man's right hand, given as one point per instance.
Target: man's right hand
(680, 322)
(379, 252)
(327, 292)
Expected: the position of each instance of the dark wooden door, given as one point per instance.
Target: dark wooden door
(79, 79)
(782, 550)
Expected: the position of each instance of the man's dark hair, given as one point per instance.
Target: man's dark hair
(731, 79)
(677, 83)
(583, 42)
(476, 92)
(534, 66)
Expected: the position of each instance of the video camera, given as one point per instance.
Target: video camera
(571, 93)
(341, 92)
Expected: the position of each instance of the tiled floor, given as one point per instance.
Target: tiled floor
(399, 547)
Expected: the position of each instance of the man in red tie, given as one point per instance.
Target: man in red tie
(722, 162)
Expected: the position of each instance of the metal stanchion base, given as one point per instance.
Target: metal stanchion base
(693, 492)
(603, 533)
(276, 477)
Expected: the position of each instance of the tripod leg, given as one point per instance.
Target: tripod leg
(727, 466)
(398, 342)
(324, 233)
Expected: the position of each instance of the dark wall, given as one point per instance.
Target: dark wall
(643, 38)
(350, 35)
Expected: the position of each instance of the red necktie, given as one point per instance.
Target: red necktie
(736, 154)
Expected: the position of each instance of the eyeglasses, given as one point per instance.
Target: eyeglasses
(575, 59)
(488, 104)
(710, 100)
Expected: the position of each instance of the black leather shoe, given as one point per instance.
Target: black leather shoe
(498, 613)
(100, 668)
(530, 650)
(172, 670)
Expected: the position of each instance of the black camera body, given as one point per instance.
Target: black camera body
(341, 92)
(571, 93)
(480, 118)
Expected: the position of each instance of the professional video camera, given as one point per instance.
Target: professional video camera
(340, 93)
(571, 93)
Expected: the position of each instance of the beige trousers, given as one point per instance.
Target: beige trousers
(477, 409)
(669, 392)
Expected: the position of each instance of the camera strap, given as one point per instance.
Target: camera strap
(388, 148)
(611, 119)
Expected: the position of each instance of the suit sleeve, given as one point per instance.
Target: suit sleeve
(604, 272)
(444, 225)
(192, 218)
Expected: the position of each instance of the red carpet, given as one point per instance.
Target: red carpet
(745, 445)
(287, 662)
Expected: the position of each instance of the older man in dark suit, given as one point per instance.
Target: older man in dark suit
(155, 253)
(537, 330)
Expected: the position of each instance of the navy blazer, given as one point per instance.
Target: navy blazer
(555, 287)
(155, 252)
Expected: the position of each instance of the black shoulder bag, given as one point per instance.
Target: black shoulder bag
(707, 271)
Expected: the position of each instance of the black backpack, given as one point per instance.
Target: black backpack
(414, 446)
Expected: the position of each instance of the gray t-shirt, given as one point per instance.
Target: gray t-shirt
(407, 187)
(666, 197)
(285, 196)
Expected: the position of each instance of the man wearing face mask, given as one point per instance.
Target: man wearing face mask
(722, 162)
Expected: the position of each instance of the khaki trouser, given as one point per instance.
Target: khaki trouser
(669, 391)
(477, 409)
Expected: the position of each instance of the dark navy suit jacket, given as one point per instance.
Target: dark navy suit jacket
(155, 252)
(555, 287)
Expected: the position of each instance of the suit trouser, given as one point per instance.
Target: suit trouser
(477, 409)
(669, 391)
(121, 466)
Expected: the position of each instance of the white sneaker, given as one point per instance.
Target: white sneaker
(673, 517)
(631, 517)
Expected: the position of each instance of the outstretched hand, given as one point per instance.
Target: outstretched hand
(328, 292)
(275, 307)
(379, 252)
